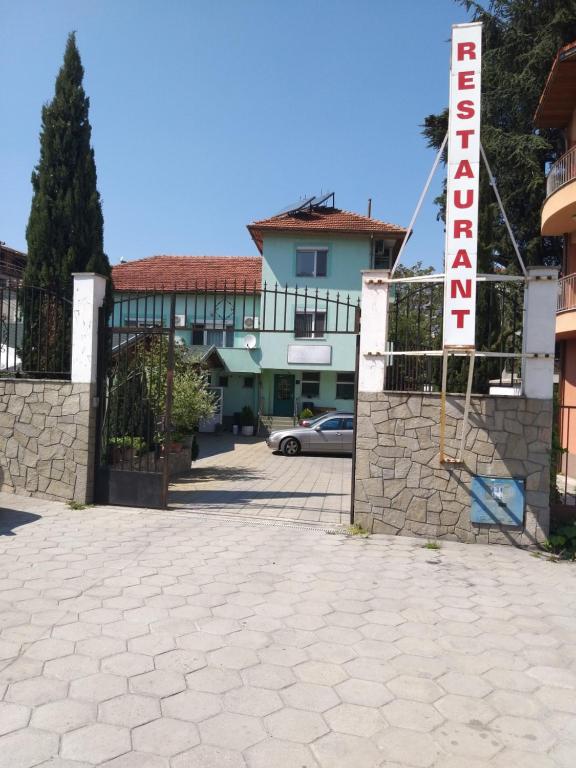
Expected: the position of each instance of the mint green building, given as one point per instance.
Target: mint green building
(276, 330)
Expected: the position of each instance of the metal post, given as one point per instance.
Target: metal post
(355, 412)
(169, 398)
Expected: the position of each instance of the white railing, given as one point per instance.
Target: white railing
(563, 171)
(567, 293)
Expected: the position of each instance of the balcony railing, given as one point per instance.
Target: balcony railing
(562, 172)
(567, 293)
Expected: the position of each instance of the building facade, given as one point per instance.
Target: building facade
(557, 109)
(275, 330)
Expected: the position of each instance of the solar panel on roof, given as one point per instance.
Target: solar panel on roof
(297, 206)
(322, 197)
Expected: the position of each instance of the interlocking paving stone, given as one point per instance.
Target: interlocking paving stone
(361, 652)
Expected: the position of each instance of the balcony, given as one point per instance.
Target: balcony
(560, 206)
(566, 307)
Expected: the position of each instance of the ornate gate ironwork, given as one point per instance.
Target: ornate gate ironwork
(135, 455)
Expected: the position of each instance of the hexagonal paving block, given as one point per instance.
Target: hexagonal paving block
(99, 741)
(97, 687)
(413, 715)
(165, 737)
(363, 692)
(465, 709)
(124, 630)
(202, 641)
(71, 667)
(523, 733)
(233, 658)
(284, 656)
(194, 706)
(320, 672)
(252, 701)
(295, 725)
(415, 688)
(75, 631)
(12, 717)
(354, 720)
(213, 680)
(467, 741)
(338, 750)
(316, 698)
(62, 716)
(280, 754)
(232, 731)
(159, 682)
(180, 660)
(269, 676)
(127, 664)
(129, 710)
(128, 760)
(44, 650)
(206, 756)
(402, 747)
(36, 691)
(100, 647)
(26, 748)
(464, 685)
(152, 644)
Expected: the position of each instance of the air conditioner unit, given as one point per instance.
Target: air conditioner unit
(180, 321)
(251, 323)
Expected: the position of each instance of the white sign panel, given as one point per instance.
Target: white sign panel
(460, 256)
(321, 354)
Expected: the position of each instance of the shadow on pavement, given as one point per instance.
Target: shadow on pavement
(206, 474)
(220, 497)
(13, 518)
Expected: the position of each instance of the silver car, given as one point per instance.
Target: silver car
(332, 433)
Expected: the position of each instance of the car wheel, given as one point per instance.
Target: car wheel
(290, 447)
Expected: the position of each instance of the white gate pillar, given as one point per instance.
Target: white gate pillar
(88, 297)
(539, 332)
(373, 330)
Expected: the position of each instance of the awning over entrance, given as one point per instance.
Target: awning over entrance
(238, 360)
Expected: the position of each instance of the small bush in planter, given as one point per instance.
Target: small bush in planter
(247, 420)
(306, 414)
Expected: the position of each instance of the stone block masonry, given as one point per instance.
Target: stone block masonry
(47, 439)
(402, 488)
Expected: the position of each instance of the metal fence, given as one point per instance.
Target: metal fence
(562, 172)
(35, 331)
(564, 455)
(566, 293)
(415, 318)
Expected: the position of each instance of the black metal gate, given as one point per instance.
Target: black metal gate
(135, 455)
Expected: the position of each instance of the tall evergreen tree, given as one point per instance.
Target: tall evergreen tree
(65, 227)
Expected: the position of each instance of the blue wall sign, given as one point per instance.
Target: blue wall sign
(497, 501)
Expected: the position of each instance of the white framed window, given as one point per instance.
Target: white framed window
(311, 262)
(345, 386)
(310, 325)
(218, 336)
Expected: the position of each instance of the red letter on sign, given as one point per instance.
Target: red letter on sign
(465, 81)
(466, 49)
(458, 198)
(462, 228)
(460, 314)
(463, 288)
(465, 135)
(465, 109)
(462, 259)
(464, 170)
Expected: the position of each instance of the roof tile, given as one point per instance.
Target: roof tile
(182, 273)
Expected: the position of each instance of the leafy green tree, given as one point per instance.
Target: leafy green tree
(65, 227)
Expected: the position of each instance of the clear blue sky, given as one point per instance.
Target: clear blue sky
(209, 114)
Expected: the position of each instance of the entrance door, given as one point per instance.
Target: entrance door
(283, 394)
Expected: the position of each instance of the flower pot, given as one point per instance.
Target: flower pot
(248, 431)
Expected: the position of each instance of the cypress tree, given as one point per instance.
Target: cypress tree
(65, 227)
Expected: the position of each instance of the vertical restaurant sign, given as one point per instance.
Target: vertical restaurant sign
(460, 256)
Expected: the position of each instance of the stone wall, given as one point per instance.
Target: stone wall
(46, 439)
(401, 487)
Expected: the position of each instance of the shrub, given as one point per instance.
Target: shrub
(306, 414)
(562, 542)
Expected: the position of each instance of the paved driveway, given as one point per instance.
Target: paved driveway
(149, 639)
(242, 476)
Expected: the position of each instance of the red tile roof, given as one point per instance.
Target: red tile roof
(323, 219)
(184, 273)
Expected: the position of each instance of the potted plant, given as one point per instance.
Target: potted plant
(247, 421)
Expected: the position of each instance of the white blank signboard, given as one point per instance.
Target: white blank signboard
(310, 353)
